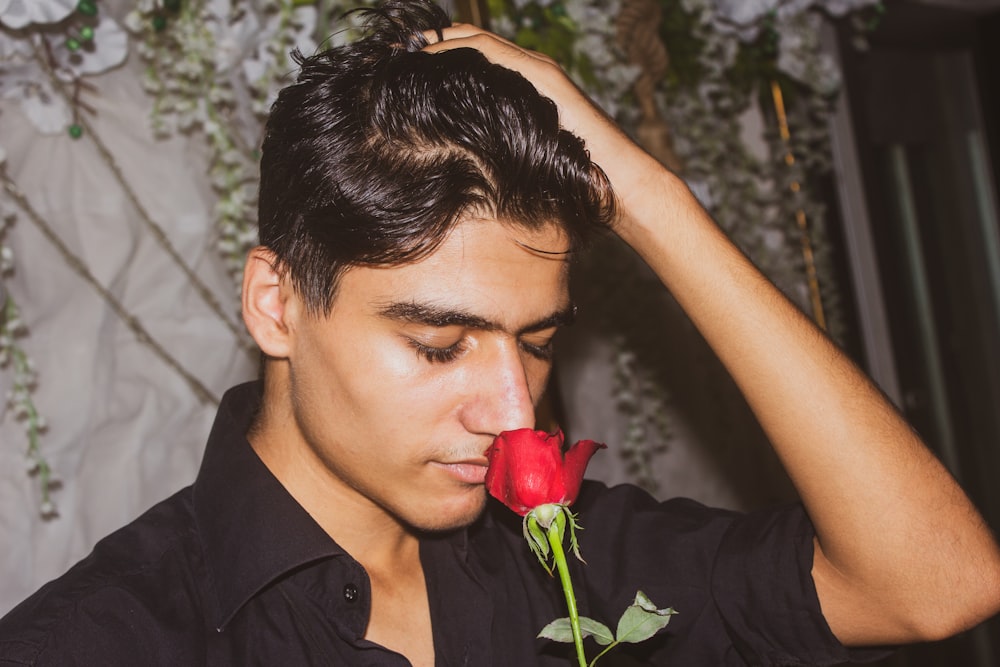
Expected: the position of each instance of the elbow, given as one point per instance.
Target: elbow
(968, 587)
(975, 599)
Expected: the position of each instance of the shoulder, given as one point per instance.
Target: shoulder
(743, 578)
(618, 511)
(632, 527)
(120, 601)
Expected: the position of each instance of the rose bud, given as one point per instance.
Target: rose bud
(528, 468)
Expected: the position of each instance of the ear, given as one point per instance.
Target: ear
(266, 304)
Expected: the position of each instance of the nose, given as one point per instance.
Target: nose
(502, 399)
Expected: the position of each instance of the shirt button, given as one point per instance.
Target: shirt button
(350, 592)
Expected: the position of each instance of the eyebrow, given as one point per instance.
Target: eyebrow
(439, 316)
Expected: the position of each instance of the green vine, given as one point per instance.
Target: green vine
(548, 29)
(191, 92)
(678, 31)
(20, 398)
(21, 402)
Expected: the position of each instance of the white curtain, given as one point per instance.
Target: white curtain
(124, 428)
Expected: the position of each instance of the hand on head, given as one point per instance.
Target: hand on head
(628, 167)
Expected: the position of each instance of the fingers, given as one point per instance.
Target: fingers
(609, 147)
(451, 33)
(546, 75)
(456, 30)
(494, 47)
(459, 31)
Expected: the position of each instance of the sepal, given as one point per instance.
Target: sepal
(535, 536)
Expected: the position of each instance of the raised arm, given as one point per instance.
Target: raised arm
(901, 553)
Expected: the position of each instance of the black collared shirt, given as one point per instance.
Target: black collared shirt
(232, 571)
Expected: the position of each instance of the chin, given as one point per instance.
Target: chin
(452, 517)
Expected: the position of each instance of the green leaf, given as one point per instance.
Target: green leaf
(642, 620)
(600, 632)
(643, 601)
(560, 630)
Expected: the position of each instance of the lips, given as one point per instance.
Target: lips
(470, 471)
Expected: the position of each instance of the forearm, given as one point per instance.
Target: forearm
(892, 525)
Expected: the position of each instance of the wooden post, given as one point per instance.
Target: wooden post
(473, 11)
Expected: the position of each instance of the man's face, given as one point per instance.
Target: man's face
(399, 392)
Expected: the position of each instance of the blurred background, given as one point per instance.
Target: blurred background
(850, 147)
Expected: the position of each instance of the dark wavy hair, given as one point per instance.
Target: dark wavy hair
(379, 149)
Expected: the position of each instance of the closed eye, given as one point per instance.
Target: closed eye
(438, 355)
(539, 349)
(541, 352)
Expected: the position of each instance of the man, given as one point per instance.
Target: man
(419, 204)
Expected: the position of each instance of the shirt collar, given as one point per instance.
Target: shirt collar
(251, 528)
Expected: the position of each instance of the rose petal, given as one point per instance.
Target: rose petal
(524, 469)
(575, 465)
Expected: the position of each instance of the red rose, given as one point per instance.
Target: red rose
(528, 468)
(530, 474)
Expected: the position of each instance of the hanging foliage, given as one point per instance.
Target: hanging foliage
(724, 60)
(212, 68)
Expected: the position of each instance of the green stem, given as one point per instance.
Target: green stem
(601, 654)
(555, 541)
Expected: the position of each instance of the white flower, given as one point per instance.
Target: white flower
(743, 12)
(6, 264)
(16, 49)
(135, 22)
(745, 17)
(19, 14)
(42, 105)
(801, 56)
(234, 40)
(23, 79)
(263, 58)
(841, 7)
(110, 50)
